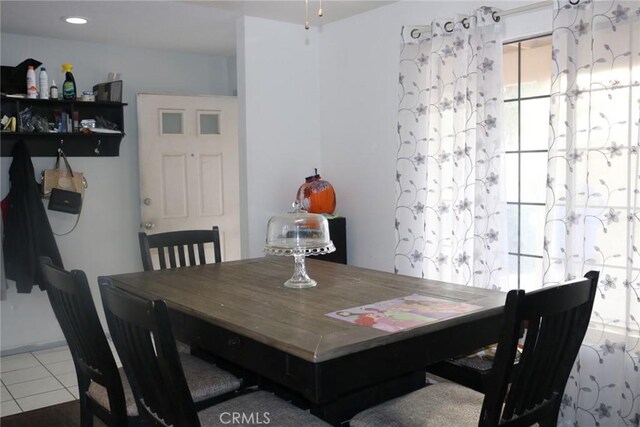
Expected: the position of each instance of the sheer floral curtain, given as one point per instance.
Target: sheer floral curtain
(450, 207)
(593, 199)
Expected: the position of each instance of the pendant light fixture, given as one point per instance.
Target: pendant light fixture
(306, 13)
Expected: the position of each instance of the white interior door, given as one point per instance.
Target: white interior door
(189, 166)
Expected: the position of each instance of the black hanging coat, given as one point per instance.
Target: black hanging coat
(27, 234)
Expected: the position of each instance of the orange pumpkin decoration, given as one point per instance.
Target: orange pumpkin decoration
(316, 195)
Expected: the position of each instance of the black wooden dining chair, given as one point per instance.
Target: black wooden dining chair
(102, 387)
(555, 320)
(146, 345)
(167, 244)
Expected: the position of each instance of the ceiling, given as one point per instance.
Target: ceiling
(206, 27)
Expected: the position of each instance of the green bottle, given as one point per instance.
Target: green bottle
(69, 85)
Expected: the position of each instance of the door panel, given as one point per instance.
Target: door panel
(211, 181)
(174, 186)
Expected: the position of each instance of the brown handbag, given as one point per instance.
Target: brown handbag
(63, 179)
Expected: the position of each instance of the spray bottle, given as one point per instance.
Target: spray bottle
(69, 85)
(32, 90)
(44, 83)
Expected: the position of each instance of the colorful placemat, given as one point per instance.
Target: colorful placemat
(403, 313)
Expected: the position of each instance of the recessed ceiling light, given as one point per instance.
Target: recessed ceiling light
(78, 20)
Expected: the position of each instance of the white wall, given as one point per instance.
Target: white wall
(320, 98)
(279, 96)
(105, 241)
(358, 107)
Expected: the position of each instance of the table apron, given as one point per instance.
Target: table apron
(327, 381)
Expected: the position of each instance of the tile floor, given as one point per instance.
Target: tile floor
(38, 379)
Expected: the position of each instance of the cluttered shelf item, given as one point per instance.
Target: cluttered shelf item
(48, 119)
(83, 128)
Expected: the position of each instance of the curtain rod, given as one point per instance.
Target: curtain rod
(417, 31)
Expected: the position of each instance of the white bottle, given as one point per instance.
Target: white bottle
(32, 91)
(44, 84)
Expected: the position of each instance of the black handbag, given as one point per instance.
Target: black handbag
(65, 201)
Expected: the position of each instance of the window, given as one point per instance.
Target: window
(527, 87)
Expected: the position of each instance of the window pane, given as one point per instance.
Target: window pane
(171, 123)
(209, 124)
(535, 67)
(535, 124)
(526, 131)
(530, 273)
(531, 229)
(511, 168)
(512, 227)
(533, 179)
(513, 271)
(511, 125)
(510, 67)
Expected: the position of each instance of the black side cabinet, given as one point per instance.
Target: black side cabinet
(338, 233)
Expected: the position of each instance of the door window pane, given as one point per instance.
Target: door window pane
(209, 123)
(171, 123)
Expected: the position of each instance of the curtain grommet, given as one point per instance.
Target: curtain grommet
(465, 23)
(496, 17)
(415, 33)
(448, 26)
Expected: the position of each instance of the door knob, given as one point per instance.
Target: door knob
(147, 201)
(149, 225)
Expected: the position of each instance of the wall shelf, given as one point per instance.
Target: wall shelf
(76, 144)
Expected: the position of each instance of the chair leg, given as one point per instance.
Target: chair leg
(86, 414)
(552, 419)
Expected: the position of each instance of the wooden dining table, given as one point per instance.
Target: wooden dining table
(241, 313)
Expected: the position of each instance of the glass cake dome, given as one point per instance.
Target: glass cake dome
(298, 234)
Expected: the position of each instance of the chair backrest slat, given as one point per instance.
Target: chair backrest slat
(194, 240)
(172, 256)
(73, 306)
(565, 327)
(161, 259)
(181, 257)
(555, 320)
(192, 255)
(539, 365)
(201, 253)
(523, 377)
(142, 334)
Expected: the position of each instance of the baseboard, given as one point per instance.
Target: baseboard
(30, 348)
